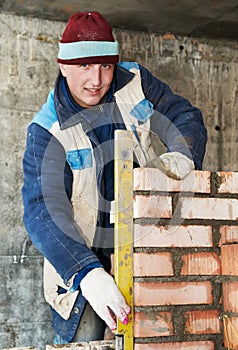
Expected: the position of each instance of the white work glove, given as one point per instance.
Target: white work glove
(176, 165)
(102, 293)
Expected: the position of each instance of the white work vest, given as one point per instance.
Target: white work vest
(136, 112)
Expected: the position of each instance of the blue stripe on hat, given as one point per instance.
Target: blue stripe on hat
(81, 49)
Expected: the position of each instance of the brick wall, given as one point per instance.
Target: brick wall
(185, 260)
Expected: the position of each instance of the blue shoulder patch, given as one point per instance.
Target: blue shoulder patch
(129, 65)
(80, 158)
(47, 116)
(143, 110)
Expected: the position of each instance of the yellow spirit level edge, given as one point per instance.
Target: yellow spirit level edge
(123, 240)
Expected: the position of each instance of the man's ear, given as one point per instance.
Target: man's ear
(63, 69)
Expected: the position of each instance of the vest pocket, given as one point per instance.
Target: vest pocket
(80, 159)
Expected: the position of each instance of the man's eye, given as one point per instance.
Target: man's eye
(84, 65)
(107, 66)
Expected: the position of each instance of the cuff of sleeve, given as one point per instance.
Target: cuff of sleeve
(81, 274)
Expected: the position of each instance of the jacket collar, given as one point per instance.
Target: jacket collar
(70, 113)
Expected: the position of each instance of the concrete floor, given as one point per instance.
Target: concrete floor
(201, 18)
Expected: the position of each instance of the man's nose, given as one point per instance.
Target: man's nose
(96, 76)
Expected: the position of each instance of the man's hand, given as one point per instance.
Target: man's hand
(176, 165)
(100, 290)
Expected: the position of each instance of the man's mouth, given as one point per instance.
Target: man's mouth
(93, 90)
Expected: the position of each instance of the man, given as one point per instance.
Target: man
(68, 168)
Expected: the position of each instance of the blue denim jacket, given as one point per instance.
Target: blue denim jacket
(68, 254)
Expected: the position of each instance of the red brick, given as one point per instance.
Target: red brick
(153, 324)
(229, 259)
(209, 208)
(172, 236)
(229, 234)
(230, 296)
(153, 264)
(201, 345)
(230, 337)
(172, 293)
(152, 206)
(229, 182)
(202, 322)
(202, 263)
(151, 179)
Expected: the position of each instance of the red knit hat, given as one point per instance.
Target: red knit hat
(87, 38)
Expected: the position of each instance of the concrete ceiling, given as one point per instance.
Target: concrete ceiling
(217, 19)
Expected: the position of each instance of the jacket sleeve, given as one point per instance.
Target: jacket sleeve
(178, 124)
(48, 214)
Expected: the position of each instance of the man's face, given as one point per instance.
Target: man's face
(88, 83)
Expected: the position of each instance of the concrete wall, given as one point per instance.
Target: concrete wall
(203, 71)
(27, 72)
